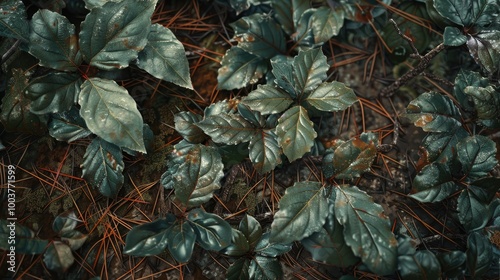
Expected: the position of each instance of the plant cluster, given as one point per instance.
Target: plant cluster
(75, 91)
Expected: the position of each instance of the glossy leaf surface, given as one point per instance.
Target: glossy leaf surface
(149, 239)
(259, 35)
(55, 92)
(164, 57)
(264, 151)
(328, 245)
(102, 167)
(252, 230)
(239, 69)
(68, 126)
(326, 23)
(111, 113)
(212, 232)
(181, 238)
(53, 41)
(198, 176)
(452, 36)
(433, 112)
(331, 97)
(433, 183)
(485, 49)
(13, 20)
(473, 214)
(366, 229)
(238, 270)
(479, 255)
(302, 211)
(486, 101)
(238, 246)
(265, 268)
(421, 265)
(185, 125)
(113, 34)
(295, 132)
(268, 99)
(452, 263)
(229, 129)
(467, 13)
(288, 13)
(350, 159)
(477, 156)
(65, 222)
(309, 70)
(58, 257)
(270, 249)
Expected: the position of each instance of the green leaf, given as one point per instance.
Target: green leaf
(238, 270)
(479, 255)
(366, 229)
(198, 176)
(212, 232)
(304, 35)
(164, 57)
(24, 238)
(65, 222)
(295, 132)
(111, 113)
(331, 97)
(452, 36)
(422, 265)
(326, 23)
(267, 249)
(467, 13)
(229, 129)
(174, 162)
(13, 20)
(477, 156)
(252, 230)
(15, 112)
(68, 126)
(102, 167)
(239, 69)
(259, 35)
(433, 183)
(463, 80)
(452, 263)
(352, 158)
(54, 42)
(486, 101)
(309, 70)
(185, 125)
(268, 99)
(485, 49)
(58, 257)
(433, 112)
(149, 239)
(302, 211)
(264, 268)
(55, 92)
(283, 73)
(239, 245)
(265, 152)
(485, 189)
(441, 147)
(473, 214)
(181, 238)
(288, 12)
(328, 245)
(113, 34)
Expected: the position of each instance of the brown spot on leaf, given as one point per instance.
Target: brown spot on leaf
(364, 13)
(424, 120)
(127, 44)
(423, 160)
(111, 160)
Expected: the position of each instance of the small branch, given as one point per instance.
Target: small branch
(424, 63)
(415, 54)
(437, 79)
